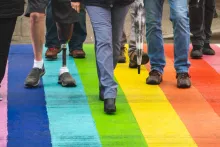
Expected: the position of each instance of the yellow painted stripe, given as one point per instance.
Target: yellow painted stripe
(158, 121)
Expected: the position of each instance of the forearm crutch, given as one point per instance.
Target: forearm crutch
(139, 31)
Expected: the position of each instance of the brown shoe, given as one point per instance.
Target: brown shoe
(51, 53)
(183, 80)
(155, 78)
(133, 60)
(122, 58)
(77, 53)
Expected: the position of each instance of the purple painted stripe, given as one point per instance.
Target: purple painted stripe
(3, 111)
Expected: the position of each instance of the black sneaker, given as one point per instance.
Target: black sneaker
(109, 105)
(207, 50)
(122, 58)
(155, 78)
(183, 80)
(33, 78)
(66, 80)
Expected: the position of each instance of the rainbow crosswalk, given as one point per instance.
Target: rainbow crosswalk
(154, 116)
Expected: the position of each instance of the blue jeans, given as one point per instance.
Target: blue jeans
(108, 26)
(180, 20)
(79, 31)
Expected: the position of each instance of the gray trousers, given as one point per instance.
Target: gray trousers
(132, 42)
(107, 25)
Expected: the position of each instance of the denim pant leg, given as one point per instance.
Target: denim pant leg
(79, 32)
(117, 29)
(154, 37)
(180, 20)
(51, 29)
(102, 27)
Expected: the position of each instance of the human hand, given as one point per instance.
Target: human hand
(76, 6)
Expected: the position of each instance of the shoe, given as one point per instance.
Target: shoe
(66, 80)
(51, 53)
(101, 93)
(1, 97)
(122, 58)
(207, 50)
(33, 78)
(196, 52)
(183, 80)
(77, 53)
(155, 78)
(133, 60)
(109, 105)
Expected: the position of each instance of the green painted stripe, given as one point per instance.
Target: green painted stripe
(120, 129)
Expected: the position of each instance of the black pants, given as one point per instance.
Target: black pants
(201, 16)
(7, 26)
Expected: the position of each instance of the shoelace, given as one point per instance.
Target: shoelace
(154, 73)
(182, 75)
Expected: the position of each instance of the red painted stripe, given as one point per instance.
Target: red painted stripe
(204, 78)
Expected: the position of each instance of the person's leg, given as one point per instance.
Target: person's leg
(79, 36)
(52, 42)
(132, 43)
(65, 17)
(36, 11)
(196, 14)
(101, 22)
(7, 26)
(122, 58)
(117, 30)
(180, 20)
(209, 10)
(154, 38)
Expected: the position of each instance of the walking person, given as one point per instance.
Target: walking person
(9, 11)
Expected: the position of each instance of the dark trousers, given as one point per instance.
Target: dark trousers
(79, 31)
(201, 16)
(7, 26)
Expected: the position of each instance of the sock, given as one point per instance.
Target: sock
(38, 64)
(63, 69)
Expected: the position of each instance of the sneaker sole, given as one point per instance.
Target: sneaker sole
(183, 87)
(67, 85)
(78, 56)
(36, 85)
(154, 83)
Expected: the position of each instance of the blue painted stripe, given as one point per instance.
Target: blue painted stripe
(71, 122)
(28, 124)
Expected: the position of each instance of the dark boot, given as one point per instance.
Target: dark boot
(109, 105)
(196, 52)
(207, 50)
(183, 80)
(155, 78)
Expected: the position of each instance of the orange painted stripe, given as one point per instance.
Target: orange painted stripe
(198, 116)
(205, 79)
